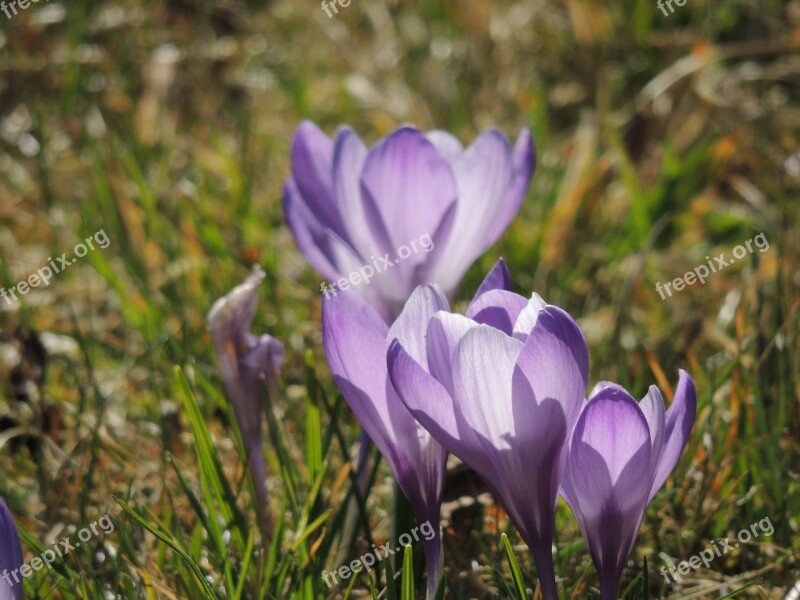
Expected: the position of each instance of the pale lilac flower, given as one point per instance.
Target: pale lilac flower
(501, 389)
(249, 366)
(351, 208)
(356, 340)
(621, 453)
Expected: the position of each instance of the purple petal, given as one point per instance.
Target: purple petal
(497, 308)
(319, 245)
(555, 362)
(523, 161)
(230, 319)
(349, 156)
(312, 170)
(408, 192)
(548, 385)
(602, 385)
(541, 431)
(411, 325)
(445, 330)
(234, 312)
(677, 429)
(10, 554)
(408, 188)
(526, 320)
(447, 145)
(523, 440)
(430, 403)
(613, 427)
(265, 354)
(483, 174)
(424, 396)
(652, 406)
(483, 365)
(497, 279)
(354, 339)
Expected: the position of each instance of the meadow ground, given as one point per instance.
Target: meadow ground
(166, 124)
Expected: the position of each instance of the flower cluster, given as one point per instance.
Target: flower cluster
(502, 387)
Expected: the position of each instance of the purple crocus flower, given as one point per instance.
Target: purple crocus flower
(351, 210)
(248, 364)
(10, 556)
(621, 453)
(501, 389)
(356, 340)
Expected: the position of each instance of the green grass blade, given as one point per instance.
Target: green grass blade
(209, 461)
(313, 421)
(516, 572)
(164, 537)
(407, 587)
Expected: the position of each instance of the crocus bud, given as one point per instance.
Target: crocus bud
(621, 453)
(249, 365)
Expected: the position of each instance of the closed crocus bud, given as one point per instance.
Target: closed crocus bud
(501, 389)
(10, 556)
(621, 453)
(356, 340)
(417, 208)
(249, 366)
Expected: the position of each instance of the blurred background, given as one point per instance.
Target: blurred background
(662, 139)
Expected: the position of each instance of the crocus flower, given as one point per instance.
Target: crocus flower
(351, 210)
(356, 340)
(249, 367)
(10, 556)
(501, 389)
(621, 453)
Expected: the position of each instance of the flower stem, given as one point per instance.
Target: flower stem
(544, 567)
(609, 587)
